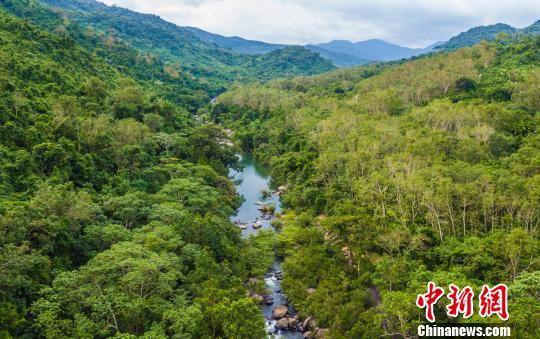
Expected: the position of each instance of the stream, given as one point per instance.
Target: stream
(250, 182)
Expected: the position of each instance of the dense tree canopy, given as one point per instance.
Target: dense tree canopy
(115, 201)
(114, 205)
(399, 174)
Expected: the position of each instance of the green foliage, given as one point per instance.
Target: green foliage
(399, 174)
(477, 34)
(172, 59)
(114, 203)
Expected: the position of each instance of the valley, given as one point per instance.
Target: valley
(161, 181)
(253, 184)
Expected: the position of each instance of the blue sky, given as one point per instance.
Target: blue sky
(414, 23)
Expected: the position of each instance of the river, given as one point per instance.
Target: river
(250, 182)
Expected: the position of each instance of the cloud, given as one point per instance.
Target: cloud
(413, 22)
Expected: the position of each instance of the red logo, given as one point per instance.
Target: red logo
(427, 300)
(491, 301)
(494, 301)
(460, 301)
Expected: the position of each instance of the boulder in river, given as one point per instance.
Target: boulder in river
(257, 224)
(308, 335)
(267, 300)
(307, 323)
(280, 312)
(282, 323)
(293, 322)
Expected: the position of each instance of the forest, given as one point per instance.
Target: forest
(114, 204)
(403, 173)
(115, 200)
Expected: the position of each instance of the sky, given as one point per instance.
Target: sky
(413, 23)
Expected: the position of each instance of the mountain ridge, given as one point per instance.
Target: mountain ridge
(487, 32)
(198, 46)
(152, 36)
(373, 49)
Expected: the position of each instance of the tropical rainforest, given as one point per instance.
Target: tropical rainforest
(403, 173)
(115, 198)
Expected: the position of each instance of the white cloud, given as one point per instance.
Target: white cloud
(412, 22)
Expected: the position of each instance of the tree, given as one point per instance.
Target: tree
(121, 290)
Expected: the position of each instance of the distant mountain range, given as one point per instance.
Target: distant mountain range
(185, 52)
(339, 58)
(344, 53)
(201, 52)
(237, 44)
(373, 49)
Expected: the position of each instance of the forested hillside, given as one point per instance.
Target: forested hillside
(401, 174)
(488, 33)
(114, 201)
(236, 44)
(181, 50)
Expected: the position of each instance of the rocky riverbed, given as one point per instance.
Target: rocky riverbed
(253, 183)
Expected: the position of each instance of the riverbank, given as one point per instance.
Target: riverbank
(253, 183)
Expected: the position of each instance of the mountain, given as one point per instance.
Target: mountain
(341, 53)
(489, 33)
(288, 61)
(337, 58)
(434, 45)
(237, 44)
(475, 35)
(374, 49)
(533, 29)
(252, 47)
(176, 46)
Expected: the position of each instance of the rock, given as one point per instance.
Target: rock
(293, 322)
(242, 226)
(308, 335)
(282, 323)
(258, 203)
(307, 322)
(267, 300)
(322, 333)
(280, 312)
(310, 290)
(257, 224)
(282, 188)
(258, 298)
